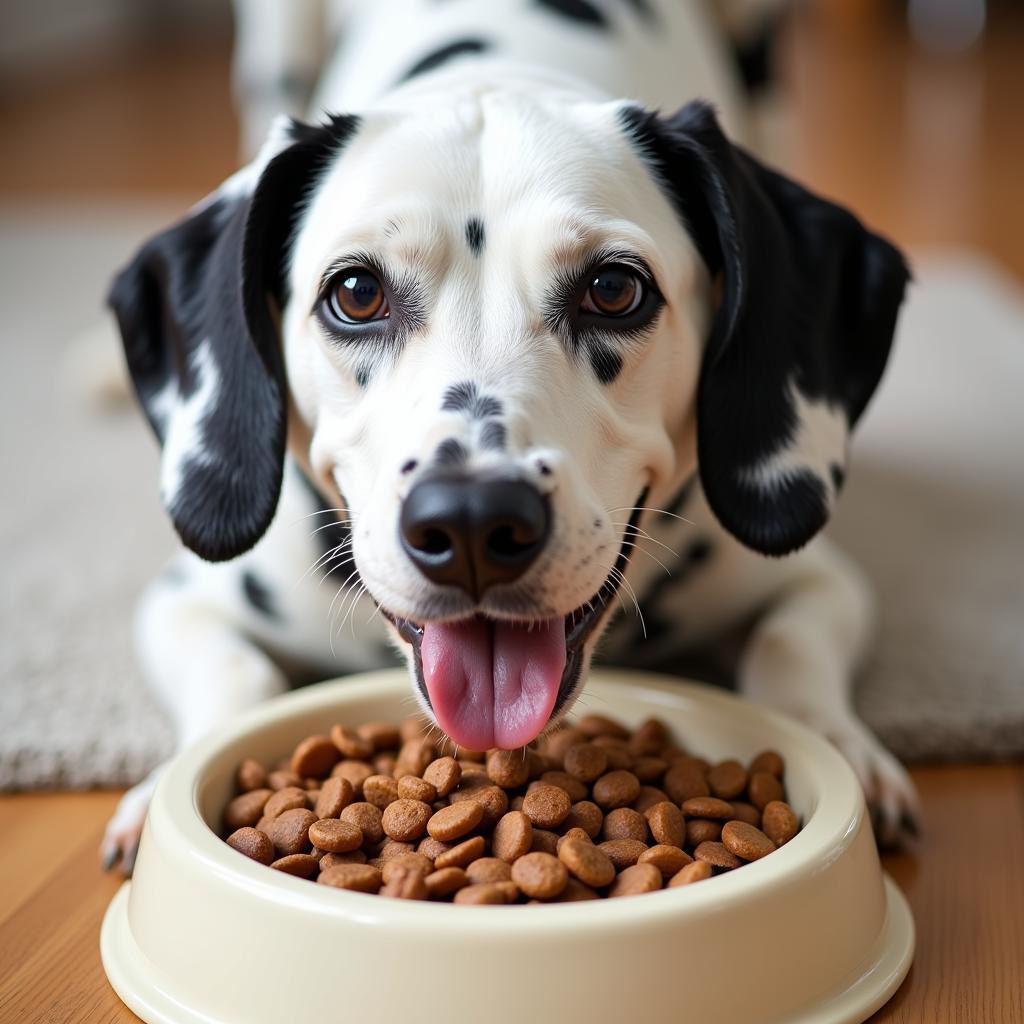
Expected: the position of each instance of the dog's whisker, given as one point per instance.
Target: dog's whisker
(649, 508)
(630, 544)
(632, 530)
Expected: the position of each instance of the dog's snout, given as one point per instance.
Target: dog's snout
(472, 533)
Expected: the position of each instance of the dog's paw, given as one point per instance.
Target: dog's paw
(121, 840)
(892, 799)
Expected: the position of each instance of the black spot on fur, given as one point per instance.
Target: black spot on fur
(493, 435)
(606, 364)
(838, 475)
(363, 374)
(580, 11)
(475, 235)
(435, 59)
(451, 452)
(464, 397)
(698, 552)
(643, 9)
(258, 595)
(486, 406)
(409, 466)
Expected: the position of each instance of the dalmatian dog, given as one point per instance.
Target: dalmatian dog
(515, 335)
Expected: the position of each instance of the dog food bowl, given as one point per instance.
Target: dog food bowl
(813, 933)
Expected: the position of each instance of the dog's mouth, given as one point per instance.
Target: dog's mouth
(497, 683)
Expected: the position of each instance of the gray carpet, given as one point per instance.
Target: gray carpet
(933, 509)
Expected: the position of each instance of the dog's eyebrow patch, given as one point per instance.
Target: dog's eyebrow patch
(258, 595)
(493, 435)
(576, 10)
(451, 452)
(475, 235)
(458, 48)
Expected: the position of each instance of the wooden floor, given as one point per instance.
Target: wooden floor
(966, 888)
(929, 149)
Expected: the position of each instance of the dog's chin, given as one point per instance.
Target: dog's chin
(548, 656)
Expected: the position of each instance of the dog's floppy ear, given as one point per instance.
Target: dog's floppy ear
(198, 308)
(809, 300)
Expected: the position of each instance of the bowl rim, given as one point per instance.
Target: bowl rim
(186, 838)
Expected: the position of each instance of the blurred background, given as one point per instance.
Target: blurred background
(116, 115)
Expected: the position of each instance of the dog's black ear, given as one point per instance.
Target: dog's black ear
(807, 311)
(198, 308)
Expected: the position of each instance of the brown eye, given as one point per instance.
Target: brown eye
(357, 297)
(613, 291)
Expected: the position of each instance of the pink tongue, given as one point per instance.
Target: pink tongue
(493, 684)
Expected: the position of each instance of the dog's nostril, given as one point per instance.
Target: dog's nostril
(434, 542)
(511, 541)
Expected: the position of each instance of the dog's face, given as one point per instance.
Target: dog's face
(501, 340)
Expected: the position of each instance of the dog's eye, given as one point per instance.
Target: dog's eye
(613, 291)
(357, 297)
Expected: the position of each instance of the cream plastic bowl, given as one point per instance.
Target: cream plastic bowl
(812, 933)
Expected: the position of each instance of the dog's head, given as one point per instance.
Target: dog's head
(496, 328)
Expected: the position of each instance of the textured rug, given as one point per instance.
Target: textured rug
(934, 510)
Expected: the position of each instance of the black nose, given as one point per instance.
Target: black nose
(473, 533)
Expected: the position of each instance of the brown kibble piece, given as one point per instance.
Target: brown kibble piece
(667, 824)
(508, 768)
(617, 752)
(331, 860)
(455, 821)
(600, 725)
(368, 818)
(727, 780)
(299, 865)
(246, 810)
(684, 781)
(575, 892)
(289, 832)
(616, 789)
(742, 811)
(636, 880)
(649, 769)
(623, 853)
(747, 842)
(589, 863)
(707, 807)
(335, 836)
(585, 761)
(357, 772)
(625, 823)
(443, 774)
(488, 869)
(462, 854)
(315, 755)
(405, 883)
(391, 849)
(282, 778)
(335, 795)
(649, 796)
(406, 820)
(649, 737)
(356, 877)
(563, 780)
(407, 862)
(700, 830)
(544, 841)
(478, 787)
(445, 882)
(253, 844)
(763, 789)
(546, 806)
(351, 744)
(286, 799)
(512, 836)
(432, 848)
(717, 855)
(414, 757)
(540, 875)
(412, 788)
(485, 893)
(669, 860)
(779, 822)
(559, 742)
(696, 871)
(380, 790)
(380, 735)
(251, 775)
(585, 815)
(768, 761)
(573, 833)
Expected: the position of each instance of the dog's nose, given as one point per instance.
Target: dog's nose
(472, 533)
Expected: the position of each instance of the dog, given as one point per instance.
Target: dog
(514, 335)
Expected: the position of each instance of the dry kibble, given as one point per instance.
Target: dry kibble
(727, 780)
(625, 823)
(246, 810)
(455, 821)
(616, 789)
(587, 862)
(717, 855)
(335, 836)
(763, 789)
(315, 755)
(253, 844)
(779, 822)
(289, 832)
(546, 806)
(635, 880)
(443, 774)
(540, 875)
(512, 837)
(508, 768)
(696, 871)
(585, 761)
(592, 811)
(747, 842)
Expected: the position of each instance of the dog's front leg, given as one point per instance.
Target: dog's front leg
(203, 669)
(801, 659)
